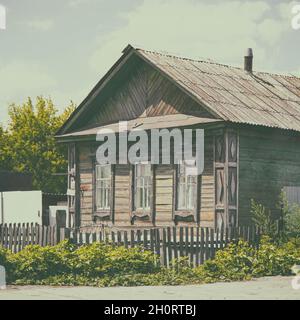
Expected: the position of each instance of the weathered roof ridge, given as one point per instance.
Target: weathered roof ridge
(210, 61)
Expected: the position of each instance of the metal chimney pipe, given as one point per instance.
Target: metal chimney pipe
(248, 66)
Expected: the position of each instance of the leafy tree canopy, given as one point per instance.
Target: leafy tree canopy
(28, 143)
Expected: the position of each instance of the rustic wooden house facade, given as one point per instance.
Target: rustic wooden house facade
(251, 122)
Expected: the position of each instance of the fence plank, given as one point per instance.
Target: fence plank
(139, 239)
(80, 238)
(175, 247)
(157, 241)
(181, 242)
(192, 247)
(87, 238)
(126, 239)
(145, 239)
(202, 239)
(15, 238)
(212, 243)
(186, 247)
(169, 246)
(222, 238)
(10, 236)
(119, 237)
(152, 239)
(207, 250)
(19, 228)
(132, 239)
(164, 247)
(197, 252)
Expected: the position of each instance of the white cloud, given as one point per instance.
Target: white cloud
(21, 79)
(40, 25)
(220, 31)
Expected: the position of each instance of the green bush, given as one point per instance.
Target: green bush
(272, 260)
(104, 265)
(231, 264)
(4, 254)
(100, 259)
(36, 263)
(242, 262)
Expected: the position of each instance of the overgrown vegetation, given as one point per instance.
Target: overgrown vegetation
(282, 229)
(263, 218)
(291, 218)
(106, 265)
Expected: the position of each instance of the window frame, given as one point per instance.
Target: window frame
(103, 213)
(139, 212)
(184, 213)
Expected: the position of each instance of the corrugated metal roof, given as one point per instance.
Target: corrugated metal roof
(233, 94)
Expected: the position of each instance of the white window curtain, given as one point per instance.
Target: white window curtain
(186, 189)
(142, 186)
(103, 187)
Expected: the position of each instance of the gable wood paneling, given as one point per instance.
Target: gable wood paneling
(144, 93)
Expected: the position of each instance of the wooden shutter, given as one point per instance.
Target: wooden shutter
(226, 178)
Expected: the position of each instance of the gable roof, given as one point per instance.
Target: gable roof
(228, 93)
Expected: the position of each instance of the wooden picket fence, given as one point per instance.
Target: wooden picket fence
(16, 237)
(196, 244)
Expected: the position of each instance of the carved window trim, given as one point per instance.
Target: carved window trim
(104, 214)
(142, 214)
(187, 215)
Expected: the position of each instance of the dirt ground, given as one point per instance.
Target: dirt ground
(271, 288)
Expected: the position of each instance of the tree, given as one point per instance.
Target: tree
(28, 144)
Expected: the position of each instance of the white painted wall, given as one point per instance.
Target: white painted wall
(52, 214)
(22, 207)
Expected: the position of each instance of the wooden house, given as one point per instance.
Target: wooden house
(251, 122)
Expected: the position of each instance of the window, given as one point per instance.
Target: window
(142, 187)
(186, 189)
(103, 187)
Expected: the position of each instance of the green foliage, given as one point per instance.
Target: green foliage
(101, 259)
(97, 260)
(4, 257)
(272, 260)
(36, 263)
(291, 218)
(28, 144)
(262, 218)
(232, 263)
(107, 265)
(242, 262)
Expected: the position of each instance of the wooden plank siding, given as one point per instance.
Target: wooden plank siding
(163, 195)
(269, 160)
(86, 172)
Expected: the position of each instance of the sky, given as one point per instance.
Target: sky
(62, 48)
